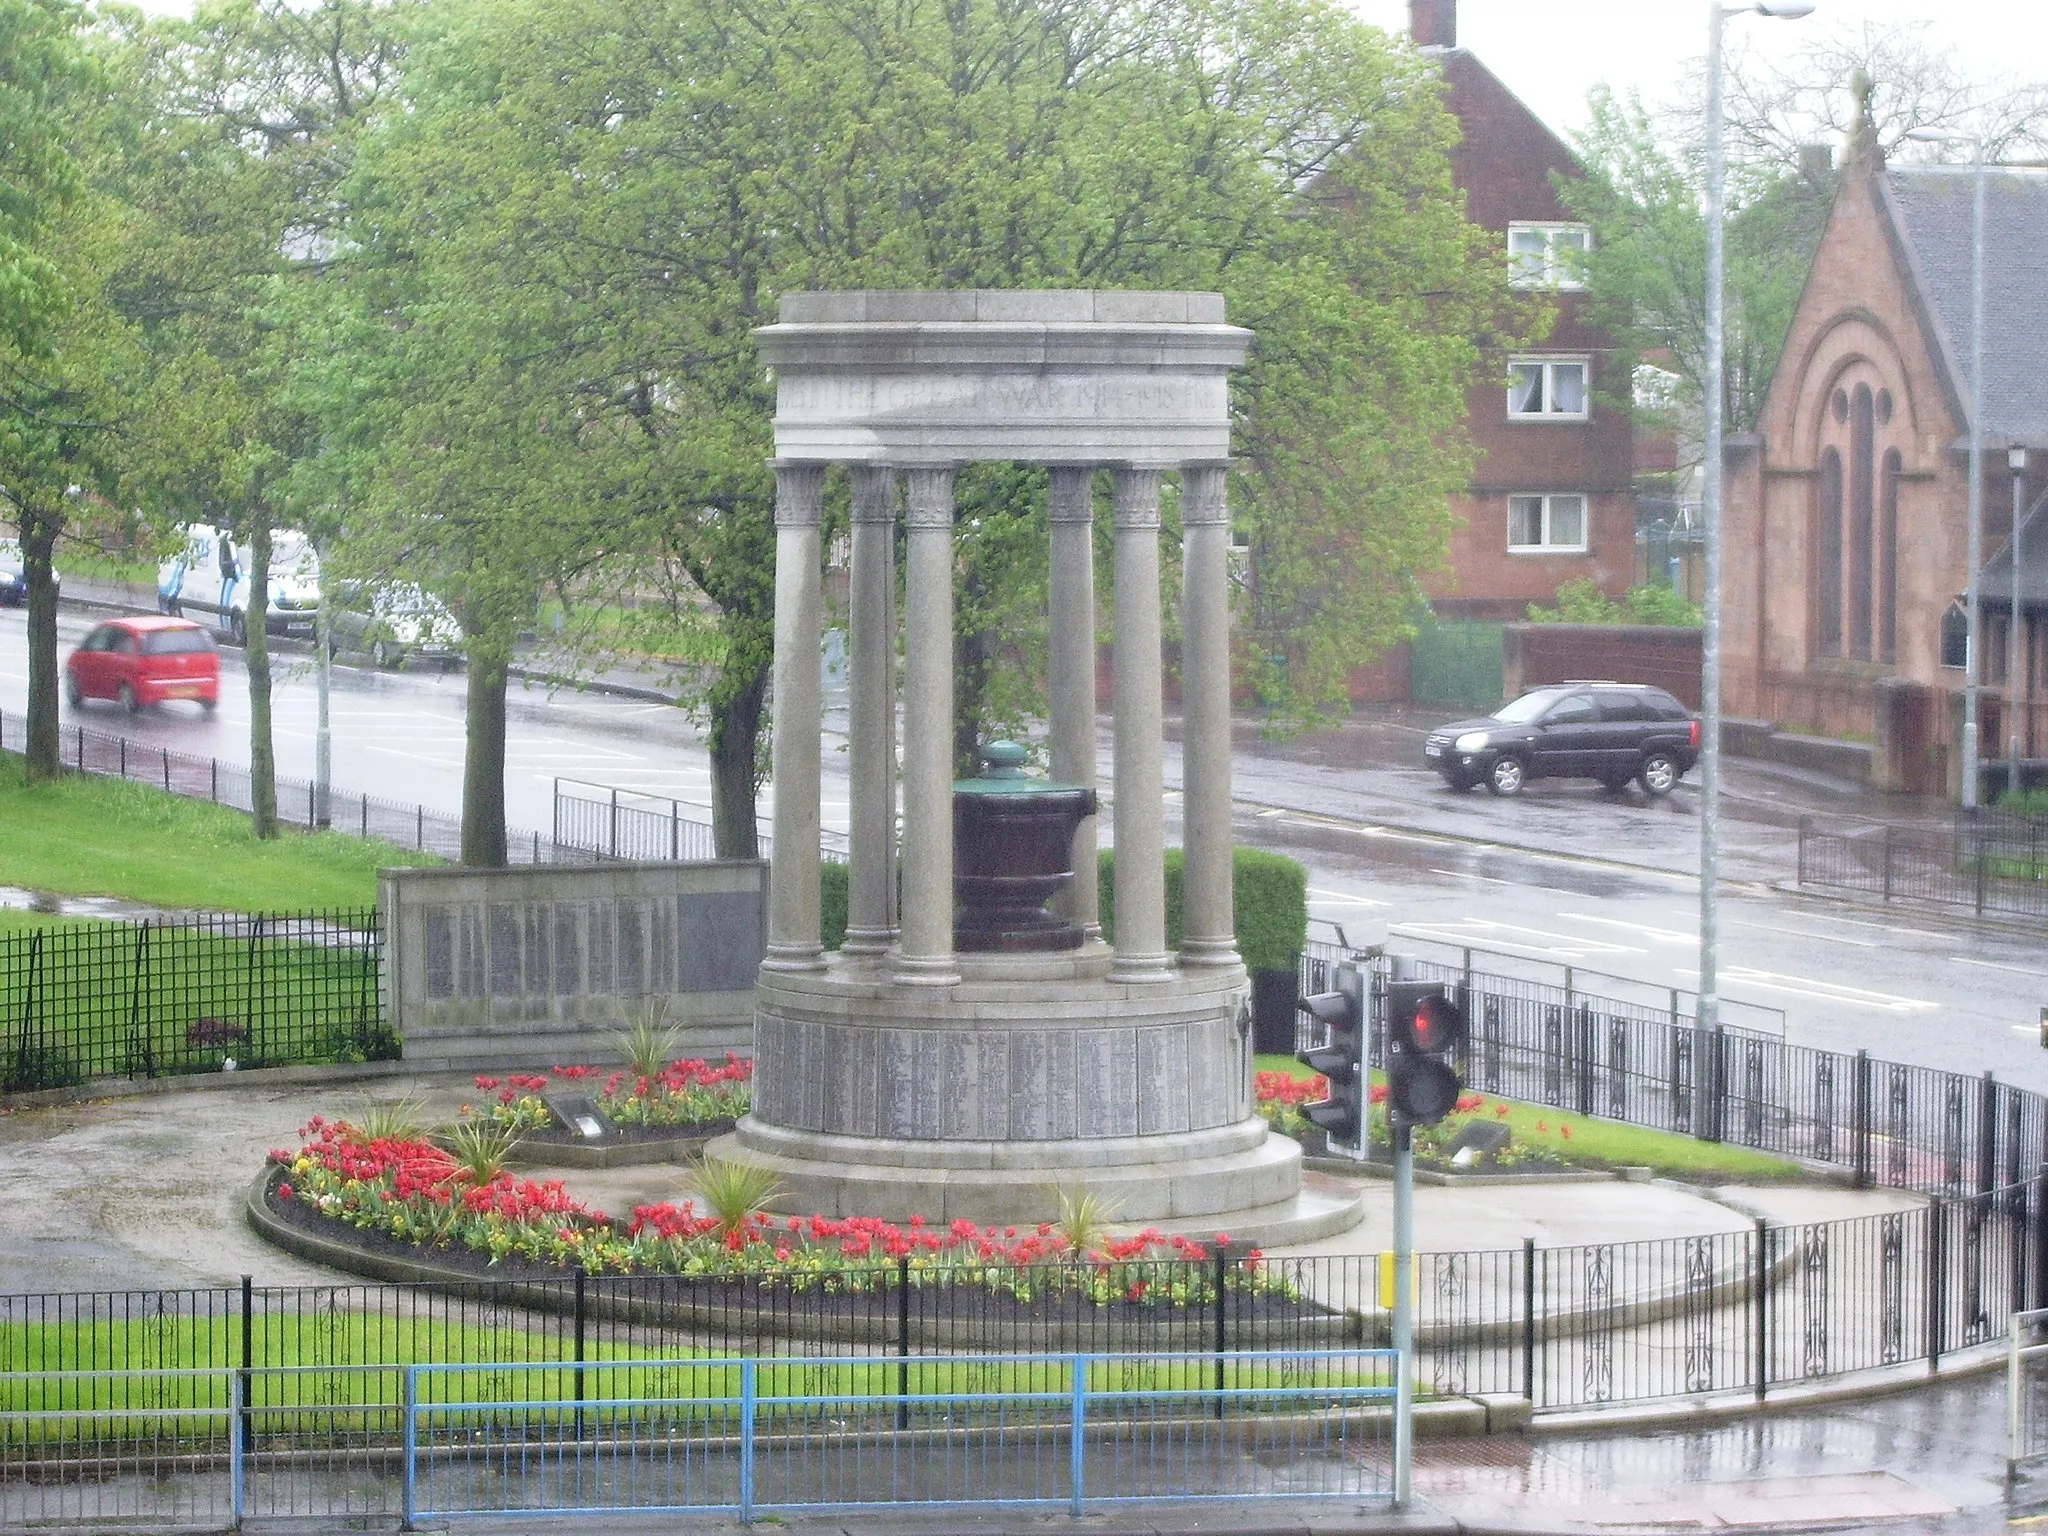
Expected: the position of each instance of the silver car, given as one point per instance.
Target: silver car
(391, 621)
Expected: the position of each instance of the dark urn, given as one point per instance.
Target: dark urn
(1013, 851)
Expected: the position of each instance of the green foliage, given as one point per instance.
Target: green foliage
(733, 1193)
(833, 876)
(482, 1149)
(651, 1043)
(1269, 892)
(402, 1119)
(29, 1066)
(1084, 1218)
(1582, 602)
(1647, 269)
(78, 836)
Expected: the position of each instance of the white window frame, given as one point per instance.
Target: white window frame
(1549, 364)
(1555, 273)
(1550, 501)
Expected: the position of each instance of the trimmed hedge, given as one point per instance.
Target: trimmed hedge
(1270, 891)
(1270, 894)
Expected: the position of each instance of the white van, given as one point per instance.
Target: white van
(207, 582)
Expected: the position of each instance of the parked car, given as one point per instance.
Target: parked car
(14, 573)
(392, 620)
(1612, 732)
(207, 581)
(144, 660)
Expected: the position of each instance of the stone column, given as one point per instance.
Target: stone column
(924, 952)
(1141, 953)
(1071, 663)
(1209, 923)
(871, 623)
(793, 915)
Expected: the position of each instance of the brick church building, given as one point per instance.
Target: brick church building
(1846, 513)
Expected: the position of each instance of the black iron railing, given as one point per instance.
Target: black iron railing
(86, 1000)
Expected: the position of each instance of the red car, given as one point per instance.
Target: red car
(144, 660)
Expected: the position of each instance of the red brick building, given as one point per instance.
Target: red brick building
(1551, 498)
(1846, 515)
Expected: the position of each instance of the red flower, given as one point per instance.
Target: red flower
(284, 1191)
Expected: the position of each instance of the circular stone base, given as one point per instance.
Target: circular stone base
(1195, 1183)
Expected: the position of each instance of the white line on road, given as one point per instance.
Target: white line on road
(1993, 965)
(1345, 898)
(1803, 986)
(1803, 933)
(1661, 935)
(1476, 930)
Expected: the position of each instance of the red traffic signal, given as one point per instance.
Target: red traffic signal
(1425, 1028)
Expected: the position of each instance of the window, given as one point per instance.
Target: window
(1955, 637)
(1616, 704)
(1547, 523)
(1573, 709)
(1547, 387)
(1548, 255)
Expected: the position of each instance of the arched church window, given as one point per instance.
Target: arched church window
(1862, 447)
(1828, 556)
(1955, 637)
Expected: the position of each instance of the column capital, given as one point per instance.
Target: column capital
(799, 494)
(1136, 496)
(1070, 493)
(874, 493)
(928, 497)
(1203, 498)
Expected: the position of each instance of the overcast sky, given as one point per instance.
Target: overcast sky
(1551, 52)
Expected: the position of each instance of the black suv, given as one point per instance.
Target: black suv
(1612, 732)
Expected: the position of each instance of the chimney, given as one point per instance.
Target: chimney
(1433, 23)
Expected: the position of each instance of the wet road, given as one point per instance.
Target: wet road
(1564, 875)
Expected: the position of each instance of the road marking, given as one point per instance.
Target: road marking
(1804, 933)
(1476, 930)
(1662, 935)
(1993, 965)
(1857, 922)
(1828, 991)
(1345, 898)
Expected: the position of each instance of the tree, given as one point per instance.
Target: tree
(640, 182)
(1644, 191)
(254, 107)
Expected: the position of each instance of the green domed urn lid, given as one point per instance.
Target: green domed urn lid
(1005, 775)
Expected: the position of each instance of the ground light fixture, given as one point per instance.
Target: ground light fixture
(1709, 1009)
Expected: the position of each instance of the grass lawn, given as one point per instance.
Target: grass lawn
(338, 1373)
(84, 836)
(1588, 1142)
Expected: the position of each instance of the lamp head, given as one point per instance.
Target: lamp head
(2016, 458)
(1784, 10)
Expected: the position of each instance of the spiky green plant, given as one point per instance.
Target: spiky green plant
(733, 1192)
(1084, 1218)
(481, 1149)
(388, 1119)
(650, 1043)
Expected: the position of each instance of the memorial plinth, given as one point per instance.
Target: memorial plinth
(975, 1061)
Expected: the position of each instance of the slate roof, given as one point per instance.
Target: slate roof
(1994, 586)
(1931, 207)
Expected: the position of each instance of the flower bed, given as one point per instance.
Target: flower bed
(411, 1192)
(690, 1097)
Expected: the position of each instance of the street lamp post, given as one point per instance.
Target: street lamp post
(1973, 666)
(2015, 651)
(1709, 1012)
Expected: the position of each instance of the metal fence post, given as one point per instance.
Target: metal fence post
(167, 769)
(1529, 1318)
(139, 1047)
(1763, 1308)
(1987, 1135)
(2040, 1292)
(419, 826)
(409, 1406)
(1805, 827)
(1862, 1115)
(1983, 870)
(1222, 1340)
(582, 1322)
(747, 1405)
(614, 839)
(1077, 1446)
(245, 1386)
(213, 779)
(1937, 1281)
(1887, 861)
(903, 1341)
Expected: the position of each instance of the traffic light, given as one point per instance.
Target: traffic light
(1340, 1058)
(1425, 1029)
